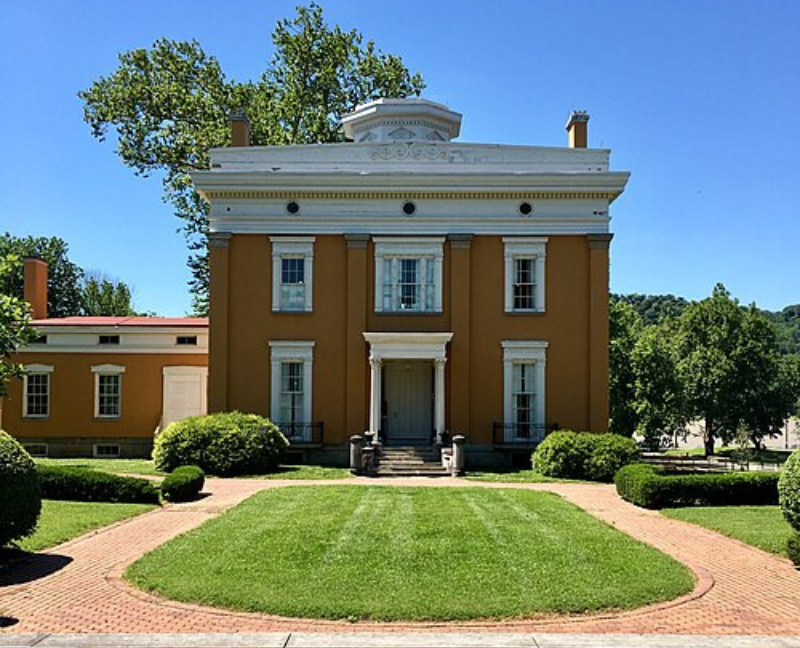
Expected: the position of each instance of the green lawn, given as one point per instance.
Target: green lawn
(512, 476)
(122, 466)
(61, 521)
(392, 553)
(760, 526)
(300, 471)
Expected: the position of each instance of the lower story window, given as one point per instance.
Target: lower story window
(108, 391)
(107, 450)
(36, 449)
(37, 395)
(524, 363)
(291, 378)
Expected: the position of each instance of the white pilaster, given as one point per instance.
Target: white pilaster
(439, 398)
(375, 402)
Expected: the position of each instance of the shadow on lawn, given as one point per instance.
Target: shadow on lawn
(31, 567)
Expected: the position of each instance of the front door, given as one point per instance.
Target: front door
(408, 393)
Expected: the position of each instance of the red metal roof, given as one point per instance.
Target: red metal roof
(123, 321)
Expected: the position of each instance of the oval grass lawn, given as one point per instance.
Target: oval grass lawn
(403, 553)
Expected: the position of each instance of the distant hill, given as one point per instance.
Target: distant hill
(654, 308)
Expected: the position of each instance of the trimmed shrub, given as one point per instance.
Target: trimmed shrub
(789, 490)
(20, 502)
(183, 484)
(87, 485)
(793, 548)
(652, 488)
(582, 455)
(223, 444)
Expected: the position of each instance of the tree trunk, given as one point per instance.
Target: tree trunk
(708, 437)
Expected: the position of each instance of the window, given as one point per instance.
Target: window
(40, 339)
(36, 388)
(291, 377)
(408, 275)
(106, 450)
(36, 449)
(524, 363)
(109, 339)
(524, 269)
(292, 273)
(108, 391)
(186, 340)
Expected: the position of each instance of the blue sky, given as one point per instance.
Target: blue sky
(699, 100)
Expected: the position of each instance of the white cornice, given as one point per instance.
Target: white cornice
(114, 350)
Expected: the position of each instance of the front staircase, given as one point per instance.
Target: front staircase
(410, 461)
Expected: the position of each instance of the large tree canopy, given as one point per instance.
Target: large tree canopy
(168, 105)
(15, 330)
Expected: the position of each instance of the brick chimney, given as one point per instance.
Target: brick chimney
(35, 286)
(578, 129)
(240, 128)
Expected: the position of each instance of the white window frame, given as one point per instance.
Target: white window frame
(429, 247)
(106, 370)
(532, 352)
(292, 351)
(37, 369)
(294, 247)
(515, 247)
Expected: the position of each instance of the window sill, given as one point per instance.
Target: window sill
(34, 417)
(286, 311)
(409, 312)
(100, 419)
(525, 312)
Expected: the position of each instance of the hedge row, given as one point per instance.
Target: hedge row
(582, 455)
(789, 496)
(87, 485)
(183, 484)
(20, 503)
(652, 488)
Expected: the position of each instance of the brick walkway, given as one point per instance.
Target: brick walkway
(77, 586)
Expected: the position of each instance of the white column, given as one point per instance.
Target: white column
(439, 399)
(375, 396)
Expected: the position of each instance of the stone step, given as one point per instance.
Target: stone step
(383, 472)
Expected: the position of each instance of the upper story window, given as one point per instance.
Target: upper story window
(292, 273)
(186, 340)
(408, 275)
(108, 391)
(36, 388)
(108, 339)
(524, 274)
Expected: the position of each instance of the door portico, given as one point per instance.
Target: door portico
(407, 346)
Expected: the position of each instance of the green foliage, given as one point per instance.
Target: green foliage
(653, 309)
(229, 443)
(652, 488)
(86, 485)
(103, 297)
(625, 328)
(183, 484)
(789, 490)
(658, 399)
(787, 328)
(170, 104)
(730, 369)
(20, 503)
(63, 276)
(15, 331)
(793, 549)
(582, 455)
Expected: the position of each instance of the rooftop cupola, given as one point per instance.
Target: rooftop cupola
(402, 120)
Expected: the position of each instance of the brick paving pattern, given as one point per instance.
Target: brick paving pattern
(77, 586)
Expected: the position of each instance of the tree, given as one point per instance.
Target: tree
(625, 327)
(63, 276)
(104, 296)
(729, 365)
(170, 104)
(15, 330)
(658, 391)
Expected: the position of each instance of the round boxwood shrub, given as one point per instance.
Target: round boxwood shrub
(20, 502)
(230, 443)
(789, 490)
(793, 548)
(183, 484)
(582, 455)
